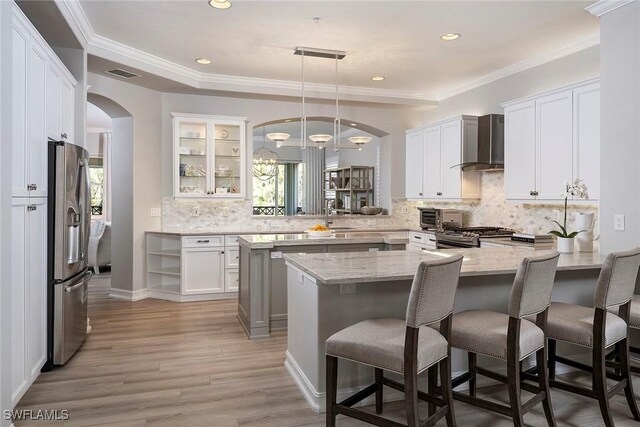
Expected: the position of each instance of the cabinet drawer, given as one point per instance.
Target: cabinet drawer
(231, 240)
(202, 241)
(231, 280)
(232, 258)
(424, 239)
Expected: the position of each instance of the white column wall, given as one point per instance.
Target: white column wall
(620, 126)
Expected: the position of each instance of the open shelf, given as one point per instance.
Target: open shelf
(169, 271)
(171, 253)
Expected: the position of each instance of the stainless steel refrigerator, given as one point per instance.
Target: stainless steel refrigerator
(68, 241)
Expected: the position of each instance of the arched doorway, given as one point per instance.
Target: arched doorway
(117, 151)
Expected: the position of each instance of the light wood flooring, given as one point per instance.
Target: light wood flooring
(159, 363)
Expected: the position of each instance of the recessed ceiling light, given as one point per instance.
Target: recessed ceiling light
(353, 124)
(377, 78)
(287, 121)
(220, 4)
(450, 36)
(203, 61)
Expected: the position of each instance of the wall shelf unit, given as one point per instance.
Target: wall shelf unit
(346, 190)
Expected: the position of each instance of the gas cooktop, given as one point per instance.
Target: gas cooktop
(468, 237)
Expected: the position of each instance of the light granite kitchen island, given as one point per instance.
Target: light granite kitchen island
(329, 292)
(262, 293)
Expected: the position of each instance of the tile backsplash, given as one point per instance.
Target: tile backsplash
(490, 210)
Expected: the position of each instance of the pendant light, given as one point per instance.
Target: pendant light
(318, 53)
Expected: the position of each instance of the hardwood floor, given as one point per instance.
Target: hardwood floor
(158, 363)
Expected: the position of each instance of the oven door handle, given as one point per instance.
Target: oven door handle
(442, 245)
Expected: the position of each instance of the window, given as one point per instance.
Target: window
(96, 181)
(278, 195)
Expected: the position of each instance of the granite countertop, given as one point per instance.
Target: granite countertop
(385, 266)
(242, 231)
(268, 241)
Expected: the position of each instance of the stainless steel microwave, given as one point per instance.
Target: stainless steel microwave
(432, 218)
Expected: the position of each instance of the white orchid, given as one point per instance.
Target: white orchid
(577, 189)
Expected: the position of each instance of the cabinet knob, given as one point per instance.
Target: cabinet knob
(32, 187)
(63, 135)
(203, 241)
(533, 193)
(420, 193)
(438, 194)
(31, 208)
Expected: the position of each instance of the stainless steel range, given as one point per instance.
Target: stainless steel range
(467, 237)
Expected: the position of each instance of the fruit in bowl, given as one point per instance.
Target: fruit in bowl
(319, 230)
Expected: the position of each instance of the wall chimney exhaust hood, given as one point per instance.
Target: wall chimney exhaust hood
(489, 152)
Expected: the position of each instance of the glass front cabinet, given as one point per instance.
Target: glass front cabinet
(209, 156)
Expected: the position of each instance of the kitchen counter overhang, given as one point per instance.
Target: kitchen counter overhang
(268, 241)
(332, 269)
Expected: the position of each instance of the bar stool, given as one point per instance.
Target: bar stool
(597, 329)
(634, 323)
(512, 338)
(401, 346)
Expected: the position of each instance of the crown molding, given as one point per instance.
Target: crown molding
(523, 65)
(77, 20)
(603, 7)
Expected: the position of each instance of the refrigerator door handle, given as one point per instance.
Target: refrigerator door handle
(84, 173)
(84, 280)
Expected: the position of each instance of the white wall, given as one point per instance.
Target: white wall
(139, 165)
(486, 99)
(620, 126)
(5, 210)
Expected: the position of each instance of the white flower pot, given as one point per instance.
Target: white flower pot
(564, 245)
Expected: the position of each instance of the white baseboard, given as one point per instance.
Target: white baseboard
(126, 295)
(316, 399)
(140, 294)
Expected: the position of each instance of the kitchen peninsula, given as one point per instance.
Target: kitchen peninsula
(262, 293)
(328, 292)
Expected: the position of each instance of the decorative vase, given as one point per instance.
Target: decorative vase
(585, 221)
(565, 245)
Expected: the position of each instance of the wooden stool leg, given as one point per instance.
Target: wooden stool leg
(513, 382)
(473, 371)
(332, 390)
(543, 382)
(551, 347)
(379, 396)
(432, 382)
(447, 393)
(600, 381)
(411, 396)
(625, 370)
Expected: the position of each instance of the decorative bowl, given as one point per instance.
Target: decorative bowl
(370, 210)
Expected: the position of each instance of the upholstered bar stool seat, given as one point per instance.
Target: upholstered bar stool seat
(634, 313)
(485, 332)
(380, 343)
(574, 324)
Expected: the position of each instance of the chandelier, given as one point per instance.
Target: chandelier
(265, 161)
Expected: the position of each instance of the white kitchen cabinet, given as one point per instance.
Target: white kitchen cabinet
(520, 151)
(192, 268)
(414, 164)
(551, 138)
(586, 137)
(67, 99)
(438, 160)
(231, 280)
(37, 106)
(28, 293)
(202, 270)
(209, 156)
(421, 241)
(432, 171)
(554, 144)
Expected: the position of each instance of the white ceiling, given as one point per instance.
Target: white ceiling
(397, 39)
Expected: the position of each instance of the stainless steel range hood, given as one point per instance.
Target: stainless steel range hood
(490, 148)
